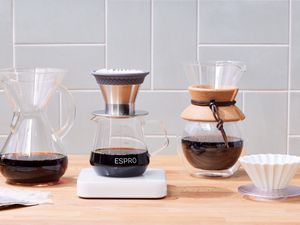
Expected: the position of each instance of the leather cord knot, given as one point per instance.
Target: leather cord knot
(213, 105)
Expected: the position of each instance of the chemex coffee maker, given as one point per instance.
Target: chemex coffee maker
(120, 155)
(211, 143)
(33, 153)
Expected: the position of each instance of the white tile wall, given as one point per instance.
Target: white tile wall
(80, 138)
(174, 41)
(294, 113)
(59, 21)
(159, 36)
(295, 45)
(266, 116)
(129, 33)
(6, 34)
(78, 60)
(240, 21)
(294, 145)
(263, 64)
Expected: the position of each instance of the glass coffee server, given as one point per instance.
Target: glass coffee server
(33, 152)
(211, 143)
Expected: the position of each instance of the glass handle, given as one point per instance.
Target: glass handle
(71, 113)
(164, 131)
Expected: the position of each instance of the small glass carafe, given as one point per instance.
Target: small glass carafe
(33, 152)
(212, 143)
(120, 148)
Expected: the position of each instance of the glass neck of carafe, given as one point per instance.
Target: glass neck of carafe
(215, 75)
(30, 90)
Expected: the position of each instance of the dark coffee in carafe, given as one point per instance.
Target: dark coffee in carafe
(211, 153)
(38, 168)
(119, 162)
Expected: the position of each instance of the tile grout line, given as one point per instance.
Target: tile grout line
(294, 135)
(142, 90)
(184, 90)
(243, 45)
(151, 46)
(106, 58)
(289, 79)
(105, 44)
(13, 32)
(197, 30)
(58, 44)
(265, 91)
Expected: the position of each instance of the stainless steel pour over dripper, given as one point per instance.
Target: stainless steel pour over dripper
(119, 89)
(120, 148)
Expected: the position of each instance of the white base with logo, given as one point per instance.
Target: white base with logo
(152, 184)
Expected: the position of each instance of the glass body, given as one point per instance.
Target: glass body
(33, 152)
(203, 151)
(218, 74)
(211, 145)
(120, 149)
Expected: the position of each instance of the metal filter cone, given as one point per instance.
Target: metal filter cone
(119, 89)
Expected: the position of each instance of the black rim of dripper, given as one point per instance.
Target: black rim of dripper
(119, 77)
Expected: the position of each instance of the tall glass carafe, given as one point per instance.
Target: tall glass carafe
(211, 142)
(33, 152)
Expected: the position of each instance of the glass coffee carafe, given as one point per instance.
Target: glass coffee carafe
(211, 143)
(33, 152)
(120, 148)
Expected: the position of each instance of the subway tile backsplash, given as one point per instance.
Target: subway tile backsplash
(6, 34)
(160, 36)
(266, 116)
(129, 30)
(295, 45)
(240, 21)
(78, 60)
(267, 67)
(174, 42)
(59, 21)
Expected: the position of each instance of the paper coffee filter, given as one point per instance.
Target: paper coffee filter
(12, 196)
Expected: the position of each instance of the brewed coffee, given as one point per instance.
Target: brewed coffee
(211, 153)
(38, 168)
(119, 162)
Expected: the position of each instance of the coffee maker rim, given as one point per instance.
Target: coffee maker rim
(37, 70)
(205, 88)
(240, 64)
(120, 74)
(211, 120)
(137, 113)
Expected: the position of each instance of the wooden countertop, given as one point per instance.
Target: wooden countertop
(190, 201)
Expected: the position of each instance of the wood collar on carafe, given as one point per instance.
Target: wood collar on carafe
(224, 98)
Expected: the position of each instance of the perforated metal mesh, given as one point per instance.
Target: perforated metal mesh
(123, 78)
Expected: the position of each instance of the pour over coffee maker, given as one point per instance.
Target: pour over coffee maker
(33, 152)
(211, 143)
(120, 150)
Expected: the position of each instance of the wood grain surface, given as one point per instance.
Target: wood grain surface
(190, 200)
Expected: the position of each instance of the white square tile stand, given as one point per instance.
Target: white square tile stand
(152, 184)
